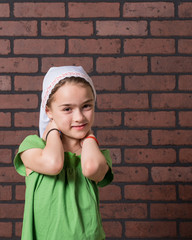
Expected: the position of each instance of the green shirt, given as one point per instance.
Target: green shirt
(64, 206)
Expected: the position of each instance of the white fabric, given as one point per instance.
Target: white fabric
(53, 76)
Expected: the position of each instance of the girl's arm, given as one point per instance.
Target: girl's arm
(49, 160)
(94, 165)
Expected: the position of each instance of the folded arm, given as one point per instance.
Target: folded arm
(94, 165)
(49, 160)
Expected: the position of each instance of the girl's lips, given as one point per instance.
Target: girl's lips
(79, 127)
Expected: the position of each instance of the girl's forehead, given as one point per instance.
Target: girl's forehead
(74, 91)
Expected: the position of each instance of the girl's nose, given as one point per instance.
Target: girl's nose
(78, 115)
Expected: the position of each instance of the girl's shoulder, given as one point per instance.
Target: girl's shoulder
(109, 175)
(32, 141)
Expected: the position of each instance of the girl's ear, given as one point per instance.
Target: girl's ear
(48, 112)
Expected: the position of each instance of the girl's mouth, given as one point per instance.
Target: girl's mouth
(79, 127)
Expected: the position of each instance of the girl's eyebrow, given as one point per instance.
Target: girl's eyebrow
(89, 100)
(68, 104)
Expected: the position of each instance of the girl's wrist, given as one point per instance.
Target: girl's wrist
(90, 137)
(53, 129)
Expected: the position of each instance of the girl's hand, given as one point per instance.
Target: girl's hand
(90, 133)
(50, 126)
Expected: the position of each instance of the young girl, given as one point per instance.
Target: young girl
(64, 166)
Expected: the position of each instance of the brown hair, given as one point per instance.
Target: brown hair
(62, 82)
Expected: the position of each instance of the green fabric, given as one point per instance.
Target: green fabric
(61, 207)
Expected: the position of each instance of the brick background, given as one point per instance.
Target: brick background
(139, 54)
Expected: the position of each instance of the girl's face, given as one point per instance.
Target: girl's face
(72, 109)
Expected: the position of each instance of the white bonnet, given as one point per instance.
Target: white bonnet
(52, 77)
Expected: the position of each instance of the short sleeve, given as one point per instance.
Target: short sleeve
(32, 141)
(109, 175)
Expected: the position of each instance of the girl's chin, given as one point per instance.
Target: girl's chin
(77, 136)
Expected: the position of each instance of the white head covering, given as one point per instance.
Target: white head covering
(53, 76)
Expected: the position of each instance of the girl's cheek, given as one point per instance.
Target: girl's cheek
(65, 123)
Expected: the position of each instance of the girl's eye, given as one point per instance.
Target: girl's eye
(67, 109)
(87, 106)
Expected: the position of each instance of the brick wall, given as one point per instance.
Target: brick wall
(139, 55)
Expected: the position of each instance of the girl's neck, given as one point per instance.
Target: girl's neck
(72, 145)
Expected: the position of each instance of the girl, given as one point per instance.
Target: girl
(64, 166)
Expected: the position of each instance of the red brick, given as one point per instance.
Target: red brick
(26, 119)
(86, 62)
(4, 10)
(185, 119)
(185, 9)
(9, 174)
(11, 211)
(141, 230)
(6, 156)
(171, 211)
(39, 10)
(150, 119)
(185, 46)
(4, 46)
(94, 46)
(185, 229)
(107, 119)
(172, 101)
(150, 83)
(171, 174)
(18, 65)
(123, 210)
(110, 193)
(5, 229)
(121, 28)
(66, 28)
(15, 101)
(20, 192)
(112, 229)
(107, 83)
(39, 46)
(171, 64)
(18, 229)
(185, 155)
(171, 28)
(115, 155)
(143, 79)
(171, 137)
(122, 101)
(185, 82)
(93, 10)
(130, 174)
(18, 28)
(185, 192)
(5, 83)
(6, 137)
(145, 46)
(123, 137)
(28, 83)
(122, 64)
(6, 193)
(141, 156)
(5, 119)
(150, 192)
(147, 9)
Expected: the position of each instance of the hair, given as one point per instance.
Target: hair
(75, 80)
